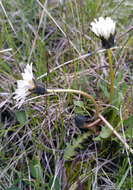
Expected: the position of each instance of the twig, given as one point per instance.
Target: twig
(87, 126)
(36, 36)
(99, 50)
(7, 17)
(115, 132)
(124, 33)
(5, 50)
(70, 61)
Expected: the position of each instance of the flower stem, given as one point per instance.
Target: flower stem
(111, 77)
(76, 92)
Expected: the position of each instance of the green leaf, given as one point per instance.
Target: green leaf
(98, 138)
(105, 133)
(6, 67)
(56, 184)
(69, 152)
(21, 116)
(104, 89)
(76, 143)
(129, 123)
(36, 170)
(79, 104)
(37, 173)
(12, 188)
(119, 76)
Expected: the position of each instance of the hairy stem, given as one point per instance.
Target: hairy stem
(111, 77)
(97, 112)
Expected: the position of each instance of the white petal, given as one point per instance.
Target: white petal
(27, 75)
(24, 86)
(103, 27)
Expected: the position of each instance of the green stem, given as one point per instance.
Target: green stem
(111, 77)
(76, 92)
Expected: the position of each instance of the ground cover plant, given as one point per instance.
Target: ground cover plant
(69, 125)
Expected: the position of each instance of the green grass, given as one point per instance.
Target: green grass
(40, 145)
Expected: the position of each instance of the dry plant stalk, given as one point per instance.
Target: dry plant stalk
(115, 132)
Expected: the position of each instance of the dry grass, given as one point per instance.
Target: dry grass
(56, 37)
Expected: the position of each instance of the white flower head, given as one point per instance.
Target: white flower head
(24, 86)
(103, 28)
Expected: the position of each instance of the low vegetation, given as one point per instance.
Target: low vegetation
(59, 140)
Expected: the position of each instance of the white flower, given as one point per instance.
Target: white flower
(103, 28)
(24, 86)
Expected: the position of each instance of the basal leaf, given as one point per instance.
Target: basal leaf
(21, 116)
